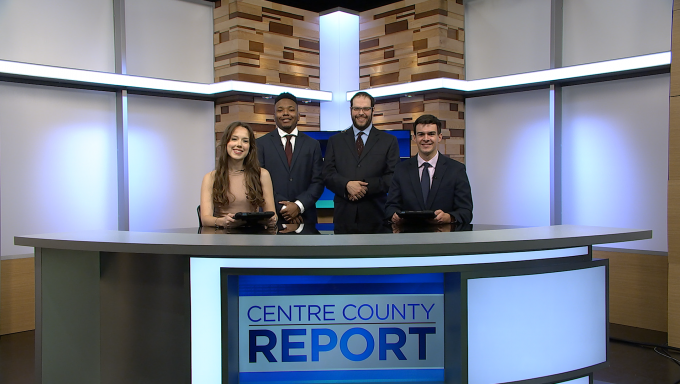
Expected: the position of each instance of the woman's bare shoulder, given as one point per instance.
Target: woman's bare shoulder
(209, 175)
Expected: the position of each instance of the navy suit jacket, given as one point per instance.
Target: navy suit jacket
(450, 190)
(299, 181)
(375, 166)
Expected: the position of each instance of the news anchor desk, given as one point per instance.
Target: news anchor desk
(485, 306)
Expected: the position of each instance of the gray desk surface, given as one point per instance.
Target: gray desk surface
(331, 246)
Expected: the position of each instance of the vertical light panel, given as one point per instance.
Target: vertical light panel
(615, 157)
(541, 325)
(170, 39)
(171, 148)
(506, 37)
(611, 29)
(58, 161)
(508, 158)
(65, 33)
(339, 57)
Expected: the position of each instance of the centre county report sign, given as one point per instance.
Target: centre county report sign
(380, 328)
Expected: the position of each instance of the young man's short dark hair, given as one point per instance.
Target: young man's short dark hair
(428, 119)
(286, 95)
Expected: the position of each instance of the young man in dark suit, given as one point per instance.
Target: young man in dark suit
(430, 180)
(358, 168)
(294, 162)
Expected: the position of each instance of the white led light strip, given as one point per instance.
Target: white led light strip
(548, 75)
(127, 81)
(152, 84)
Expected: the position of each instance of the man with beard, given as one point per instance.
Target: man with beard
(430, 181)
(358, 168)
(294, 162)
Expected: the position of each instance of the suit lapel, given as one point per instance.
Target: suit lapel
(349, 139)
(276, 142)
(414, 177)
(439, 172)
(299, 143)
(370, 142)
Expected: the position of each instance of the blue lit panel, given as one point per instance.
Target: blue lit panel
(521, 327)
(340, 329)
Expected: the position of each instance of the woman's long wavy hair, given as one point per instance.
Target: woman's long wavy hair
(251, 167)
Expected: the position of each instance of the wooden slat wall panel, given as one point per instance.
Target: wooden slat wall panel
(265, 42)
(400, 113)
(17, 303)
(403, 42)
(637, 289)
(410, 41)
(674, 188)
(259, 113)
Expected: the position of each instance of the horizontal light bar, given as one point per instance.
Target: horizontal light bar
(548, 75)
(50, 73)
(269, 89)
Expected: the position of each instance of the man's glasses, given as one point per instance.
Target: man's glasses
(357, 109)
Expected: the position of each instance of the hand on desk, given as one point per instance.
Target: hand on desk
(290, 228)
(270, 222)
(441, 217)
(228, 221)
(396, 219)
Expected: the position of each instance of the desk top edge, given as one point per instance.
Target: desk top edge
(378, 245)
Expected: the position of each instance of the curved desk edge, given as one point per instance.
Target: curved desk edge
(329, 246)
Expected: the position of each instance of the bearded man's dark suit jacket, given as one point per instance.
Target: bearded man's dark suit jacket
(375, 166)
(450, 190)
(299, 181)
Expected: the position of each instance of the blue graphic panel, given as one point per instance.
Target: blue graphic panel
(413, 376)
(425, 283)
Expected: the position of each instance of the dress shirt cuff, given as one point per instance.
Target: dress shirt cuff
(302, 207)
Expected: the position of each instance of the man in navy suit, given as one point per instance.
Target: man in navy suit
(294, 162)
(358, 168)
(430, 181)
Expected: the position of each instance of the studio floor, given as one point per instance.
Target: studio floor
(629, 363)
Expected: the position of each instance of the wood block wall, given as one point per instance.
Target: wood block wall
(400, 113)
(263, 42)
(638, 288)
(17, 299)
(258, 112)
(410, 41)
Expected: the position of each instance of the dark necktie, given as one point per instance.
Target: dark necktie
(425, 181)
(360, 144)
(289, 149)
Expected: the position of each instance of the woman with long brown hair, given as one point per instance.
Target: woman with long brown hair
(237, 184)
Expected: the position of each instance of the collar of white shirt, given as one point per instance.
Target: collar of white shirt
(365, 131)
(432, 161)
(283, 133)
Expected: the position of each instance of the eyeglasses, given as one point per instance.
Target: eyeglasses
(357, 109)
